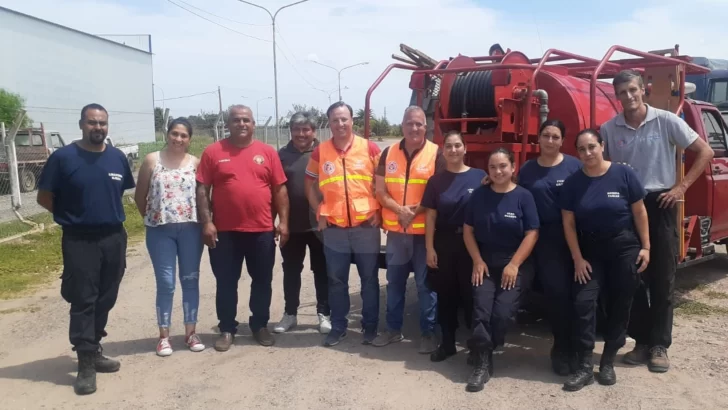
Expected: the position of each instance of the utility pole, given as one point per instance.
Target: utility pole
(338, 72)
(222, 117)
(275, 64)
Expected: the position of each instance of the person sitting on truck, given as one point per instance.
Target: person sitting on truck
(343, 168)
(605, 224)
(83, 184)
(450, 267)
(403, 171)
(166, 199)
(646, 138)
(544, 177)
(500, 231)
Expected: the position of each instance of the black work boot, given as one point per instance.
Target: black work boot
(560, 362)
(446, 348)
(86, 378)
(103, 364)
(584, 374)
(481, 373)
(607, 376)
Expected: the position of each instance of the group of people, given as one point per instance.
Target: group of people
(598, 228)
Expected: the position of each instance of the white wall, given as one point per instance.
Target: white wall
(58, 71)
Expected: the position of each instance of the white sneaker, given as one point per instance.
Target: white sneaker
(164, 348)
(286, 323)
(324, 323)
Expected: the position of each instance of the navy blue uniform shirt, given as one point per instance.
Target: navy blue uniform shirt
(448, 193)
(500, 220)
(545, 184)
(87, 186)
(603, 204)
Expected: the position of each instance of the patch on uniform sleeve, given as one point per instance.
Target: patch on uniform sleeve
(329, 167)
(258, 159)
(392, 167)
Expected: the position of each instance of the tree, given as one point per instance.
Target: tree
(318, 114)
(10, 105)
(381, 127)
(395, 130)
(158, 119)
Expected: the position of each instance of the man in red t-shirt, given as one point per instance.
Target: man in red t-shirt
(239, 180)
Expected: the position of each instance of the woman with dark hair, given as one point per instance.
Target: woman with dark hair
(166, 199)
(544, 177)
(450, 267)
(605, 223)
(500, 231)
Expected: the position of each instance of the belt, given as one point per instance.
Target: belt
(598, 235)
(449, 229)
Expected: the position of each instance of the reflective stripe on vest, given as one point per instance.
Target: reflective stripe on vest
(404, 191)
(346, 182)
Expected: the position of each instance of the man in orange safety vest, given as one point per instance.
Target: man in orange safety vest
(403, 171)
(349, 218)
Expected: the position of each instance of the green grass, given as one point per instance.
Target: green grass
(36, 259)
(197, 145)
(712, 294)
(8, 229)
(695, 308)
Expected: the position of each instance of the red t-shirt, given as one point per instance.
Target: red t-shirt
(242, 180)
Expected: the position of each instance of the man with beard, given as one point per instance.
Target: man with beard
(239, 181)
(82, 184)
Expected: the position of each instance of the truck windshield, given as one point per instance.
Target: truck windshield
(719, 92)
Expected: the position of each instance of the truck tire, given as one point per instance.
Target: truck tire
(28, 180)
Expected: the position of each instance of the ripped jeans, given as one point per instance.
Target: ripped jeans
(166, 245)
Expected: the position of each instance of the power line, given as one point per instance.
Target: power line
(218, 24)
(187, 96)
(294, 68)
(295, 57)
(223, 18)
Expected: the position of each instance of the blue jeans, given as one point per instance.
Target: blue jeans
(407, 253)
(166, 245)
(360, 245)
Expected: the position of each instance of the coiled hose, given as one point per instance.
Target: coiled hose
(473, 96)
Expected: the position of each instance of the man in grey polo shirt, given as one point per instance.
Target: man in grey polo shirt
(646, 138)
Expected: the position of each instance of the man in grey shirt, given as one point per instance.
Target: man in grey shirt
(302, 224)
(646, 138)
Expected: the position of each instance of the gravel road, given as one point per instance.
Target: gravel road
(37, 367)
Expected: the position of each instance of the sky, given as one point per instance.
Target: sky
(193, 55)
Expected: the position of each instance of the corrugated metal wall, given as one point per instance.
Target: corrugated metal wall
(59, 70)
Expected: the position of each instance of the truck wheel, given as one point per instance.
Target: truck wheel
(28, 181)
(131, 161)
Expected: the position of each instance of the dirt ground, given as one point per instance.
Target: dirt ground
(37, 367)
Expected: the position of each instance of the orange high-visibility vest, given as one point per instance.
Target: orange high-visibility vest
(406, 186)
(346, 182)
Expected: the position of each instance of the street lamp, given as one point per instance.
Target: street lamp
(328, 92)
(275, 64)
(339, 71)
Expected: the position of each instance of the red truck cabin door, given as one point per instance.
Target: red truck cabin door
(715, 132)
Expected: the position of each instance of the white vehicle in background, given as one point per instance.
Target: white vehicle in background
(131, 151)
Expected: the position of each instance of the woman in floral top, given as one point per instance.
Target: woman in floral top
(165, 197)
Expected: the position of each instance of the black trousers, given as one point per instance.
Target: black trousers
(652, 309)
(555, 272)
(293, 253)
(452, 283)
(494, 309)
(614, 272)
(257, 249)
(94, 262)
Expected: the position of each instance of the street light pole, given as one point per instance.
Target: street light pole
(275, 64)
(338, 72)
